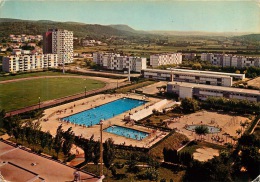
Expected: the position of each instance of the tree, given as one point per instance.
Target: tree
(196, 66)
(189, 105)
(68, 141)
(88, 149)
(96, 151)
(237, 72)
(109, 152)
(57, 145)
(201, 130)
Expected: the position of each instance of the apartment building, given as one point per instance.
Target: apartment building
(164, 59)
(191, 77)
(29, 62)
(60, 42)
(190, 90)
(113, 61)
(227, 60)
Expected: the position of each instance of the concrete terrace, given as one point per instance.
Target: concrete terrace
(51, 119)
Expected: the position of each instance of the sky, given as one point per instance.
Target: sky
(172, 15)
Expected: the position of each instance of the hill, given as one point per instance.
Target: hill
(15, 26)
(250, 37)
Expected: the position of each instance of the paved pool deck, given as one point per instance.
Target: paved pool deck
(228, 123)
(51, 119)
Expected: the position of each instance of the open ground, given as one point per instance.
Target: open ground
(228, 123)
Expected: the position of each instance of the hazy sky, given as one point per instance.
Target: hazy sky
(204, 15)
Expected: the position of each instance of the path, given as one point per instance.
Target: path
(110, 84)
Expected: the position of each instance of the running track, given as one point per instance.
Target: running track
(109, 85)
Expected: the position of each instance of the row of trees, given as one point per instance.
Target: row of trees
(231, 165)
(31, 133)
(232, 105)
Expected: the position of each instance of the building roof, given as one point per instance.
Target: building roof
(29, 165)
(187, 73)
(213, 87)
(209, 72)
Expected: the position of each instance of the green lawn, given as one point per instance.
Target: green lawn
(20, 94)
(26, 75)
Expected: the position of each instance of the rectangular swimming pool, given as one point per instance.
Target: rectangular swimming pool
(93, 116)
(126, 132)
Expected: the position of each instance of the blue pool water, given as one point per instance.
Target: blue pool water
(126, 132)
(93, 116)
(211, 129)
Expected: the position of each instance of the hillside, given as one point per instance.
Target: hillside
(14, 26)
(250, 37)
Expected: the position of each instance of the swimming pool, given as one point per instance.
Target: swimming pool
(211, 129)
(93, 116)
(126, 132)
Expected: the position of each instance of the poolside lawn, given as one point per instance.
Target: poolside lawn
(24, 93)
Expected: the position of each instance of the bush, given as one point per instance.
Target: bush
(71, 157)
(150, 174)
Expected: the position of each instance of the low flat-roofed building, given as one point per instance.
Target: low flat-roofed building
(234, 75)
(20, 165)
(201, 91)
(191, 77)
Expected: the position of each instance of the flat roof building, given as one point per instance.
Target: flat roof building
(29, 62)
(191, 77)
(234, 75)
(202, 92)
(164, 59)
(113, 61)
(60, 42)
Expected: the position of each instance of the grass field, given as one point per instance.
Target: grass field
(17, 95)
(27, 75)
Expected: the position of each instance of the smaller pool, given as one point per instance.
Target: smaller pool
(212, 129)
(126, 132)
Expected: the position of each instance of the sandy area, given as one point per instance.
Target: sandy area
(228, 124)
(51, 120)
(205, 153)
(254, 82)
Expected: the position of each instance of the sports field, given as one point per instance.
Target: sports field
(24, 93)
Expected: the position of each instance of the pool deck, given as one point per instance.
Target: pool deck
(51, 120)
(228, 124)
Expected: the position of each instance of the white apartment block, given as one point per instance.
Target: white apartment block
(121, 63)
(164, 59)
(60, 42)
(20, 63)
(227, 60)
